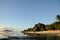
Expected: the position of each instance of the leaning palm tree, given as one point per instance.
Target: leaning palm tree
(58, 18)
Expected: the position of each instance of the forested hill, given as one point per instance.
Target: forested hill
(42, 27)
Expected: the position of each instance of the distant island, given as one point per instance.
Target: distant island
(42, 27)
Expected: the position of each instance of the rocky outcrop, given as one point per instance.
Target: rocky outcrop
(39, 27)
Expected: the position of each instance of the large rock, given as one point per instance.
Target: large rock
(39, 27)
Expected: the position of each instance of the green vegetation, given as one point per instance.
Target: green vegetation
(42, 27)
(58, 18)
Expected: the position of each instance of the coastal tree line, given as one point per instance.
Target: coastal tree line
(42, 27)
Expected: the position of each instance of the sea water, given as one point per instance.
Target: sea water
(21, 36)
(36, 37)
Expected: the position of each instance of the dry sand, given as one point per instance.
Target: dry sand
(56, 32)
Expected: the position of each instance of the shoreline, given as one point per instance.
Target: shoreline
(53, 32)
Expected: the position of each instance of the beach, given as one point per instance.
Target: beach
(53, 32)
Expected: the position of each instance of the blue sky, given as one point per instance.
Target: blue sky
(23, 14)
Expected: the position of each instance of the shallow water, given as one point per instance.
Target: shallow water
(36, 38)
(21, 36)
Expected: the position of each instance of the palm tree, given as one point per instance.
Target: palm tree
(58, 18)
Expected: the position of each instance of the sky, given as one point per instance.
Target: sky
(23, 14)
